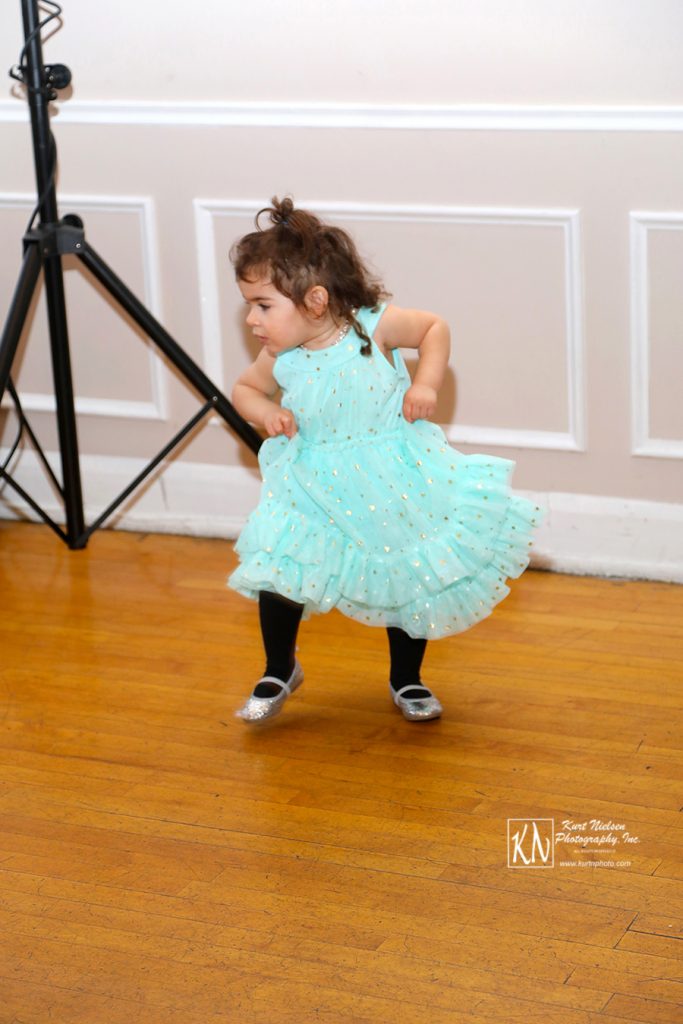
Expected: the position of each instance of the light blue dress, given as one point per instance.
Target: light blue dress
(380, 518)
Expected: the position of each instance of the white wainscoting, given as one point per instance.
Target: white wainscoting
(581, 534)
(642, 222)
(143, 208)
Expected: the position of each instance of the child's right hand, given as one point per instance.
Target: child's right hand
(280, 421)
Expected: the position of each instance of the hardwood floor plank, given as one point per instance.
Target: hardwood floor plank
(653, 925)
(555, 957)
(34, 1003)
(639, 1008)
(654, 944)
(628, 983)
(670, 869)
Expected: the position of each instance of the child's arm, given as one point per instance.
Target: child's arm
(252, 397)
(427, 332)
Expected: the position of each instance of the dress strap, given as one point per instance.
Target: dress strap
(369, 318)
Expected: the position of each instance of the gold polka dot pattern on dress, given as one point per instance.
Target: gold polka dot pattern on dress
(365, 510)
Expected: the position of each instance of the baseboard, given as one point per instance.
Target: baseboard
(593, 535)
(178, 497)
(582, 534)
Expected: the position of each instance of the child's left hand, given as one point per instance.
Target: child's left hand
(419, 402)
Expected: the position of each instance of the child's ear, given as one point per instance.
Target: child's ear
(317, 300)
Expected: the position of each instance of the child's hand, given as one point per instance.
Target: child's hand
(419, 402)
(280, 421)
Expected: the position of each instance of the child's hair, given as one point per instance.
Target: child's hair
(298, 252)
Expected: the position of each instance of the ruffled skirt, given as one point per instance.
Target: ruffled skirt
(399, 529)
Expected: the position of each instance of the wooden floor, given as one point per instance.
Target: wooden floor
(160, 861)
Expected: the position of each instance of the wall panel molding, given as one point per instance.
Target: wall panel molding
(143, 207)
(421, 117)
(566, 220)
(641, 223)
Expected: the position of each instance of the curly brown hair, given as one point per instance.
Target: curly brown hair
(299, 251)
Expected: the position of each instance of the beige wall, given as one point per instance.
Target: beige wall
(370, 51)
(517, 166)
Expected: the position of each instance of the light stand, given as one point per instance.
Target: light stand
(44, 248)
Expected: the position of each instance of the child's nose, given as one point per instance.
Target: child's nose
(252, 318)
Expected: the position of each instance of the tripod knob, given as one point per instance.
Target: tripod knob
(57, 75)
(73, 220)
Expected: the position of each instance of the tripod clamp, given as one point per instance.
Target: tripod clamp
(65, 238)
(55, 77)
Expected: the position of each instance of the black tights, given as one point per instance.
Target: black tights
(280, 620)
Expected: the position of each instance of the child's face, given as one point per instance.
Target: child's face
(274, 319)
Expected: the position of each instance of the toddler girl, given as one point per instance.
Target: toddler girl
(365, 507)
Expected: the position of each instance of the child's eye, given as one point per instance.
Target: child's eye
(263, 307)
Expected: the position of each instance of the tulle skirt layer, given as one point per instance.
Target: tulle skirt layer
(398, 530)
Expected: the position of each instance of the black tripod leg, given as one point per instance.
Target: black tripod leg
(66, 420)
(18, 310)
(189, 369)
(64, 396)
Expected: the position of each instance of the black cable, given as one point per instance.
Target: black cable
(17, 71)
(49, 184)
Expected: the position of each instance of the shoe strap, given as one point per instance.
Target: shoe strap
(274, 679)
(412, 686)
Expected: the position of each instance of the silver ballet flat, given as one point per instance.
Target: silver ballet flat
(416, 709)
(258, 709)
